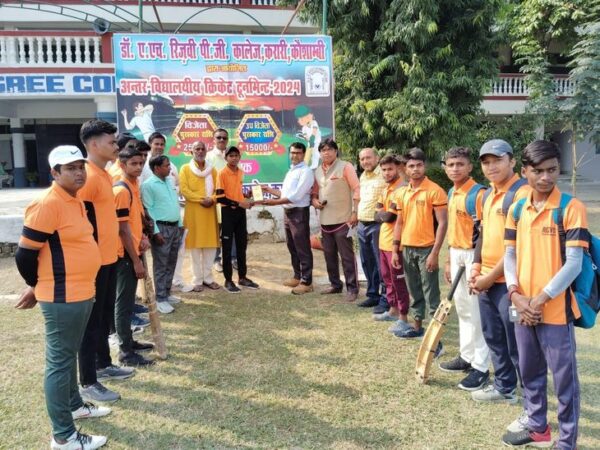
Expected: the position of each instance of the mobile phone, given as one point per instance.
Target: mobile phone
(323, 202)
(513, 314)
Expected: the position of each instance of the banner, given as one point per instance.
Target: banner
(266, 91)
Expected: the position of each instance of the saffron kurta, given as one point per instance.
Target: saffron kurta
(200, 222)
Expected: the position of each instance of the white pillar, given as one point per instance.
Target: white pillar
(18, 147)
(106, 108)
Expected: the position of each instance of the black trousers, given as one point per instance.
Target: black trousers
(95, 351)
(233, 228)
(296, 222)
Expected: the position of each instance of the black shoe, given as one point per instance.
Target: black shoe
(141, 346)
(380, 309)
(248, 283)
(133, 359)
(369, 302)
(139, 309)
(232, 288)
(474, 381)
(455, 365)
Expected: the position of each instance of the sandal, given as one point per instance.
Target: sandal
(214, 286)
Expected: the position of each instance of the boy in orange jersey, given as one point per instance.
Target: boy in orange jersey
(546, 234)
(59, 259)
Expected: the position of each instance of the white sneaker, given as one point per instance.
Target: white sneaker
(89, 411)
(79, 441)
(164, 307)
(173, 300)
(519, 424)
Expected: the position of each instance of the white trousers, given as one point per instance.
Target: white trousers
(178, 274)
(202, 262)
(473, 348)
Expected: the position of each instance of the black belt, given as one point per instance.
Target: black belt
(367, 223)
(170, 224)
(295, 208)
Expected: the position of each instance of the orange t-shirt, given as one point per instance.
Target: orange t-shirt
(129, 209)
(97, 196)
(56, 223)
(115, 171)
(229, 184)
(384, 203)
(460, 223)
(538, 250)
(416, 206)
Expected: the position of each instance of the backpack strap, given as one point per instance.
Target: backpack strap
(471, 200)
(486, 194)
(558, 218)
(450, 192)
(126, 186)
(510, 194)
(518, 210)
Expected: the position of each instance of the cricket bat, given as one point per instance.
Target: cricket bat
(149, 299)
(435, 330)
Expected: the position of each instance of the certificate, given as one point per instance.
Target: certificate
(257, 193)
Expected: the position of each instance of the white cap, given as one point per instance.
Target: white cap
(64, 154)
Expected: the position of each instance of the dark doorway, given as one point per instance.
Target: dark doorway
(49, 136)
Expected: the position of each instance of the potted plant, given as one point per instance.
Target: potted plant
(32, 178)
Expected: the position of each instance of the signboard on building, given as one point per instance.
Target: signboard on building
(52, 84)
(266, 91)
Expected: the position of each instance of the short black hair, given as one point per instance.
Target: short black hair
(329, 142)
(232, 149)
(127, 153)
(389, 159)
(539, 151)
(57, 167)
(95, 128)
(222, 130)
(124, 138)
(299, 146)
(415, 153)
(156, 135)
(458, 152)
(157, 161)
(142, 146)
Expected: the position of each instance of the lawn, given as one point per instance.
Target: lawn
(266, 370)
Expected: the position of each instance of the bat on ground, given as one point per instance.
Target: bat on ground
(149, 299)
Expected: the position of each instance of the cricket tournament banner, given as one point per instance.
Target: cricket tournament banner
(266, 91)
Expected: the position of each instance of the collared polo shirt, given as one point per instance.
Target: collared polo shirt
(417, 208)
(129, 209)
(460, 223)
(372, 185)
(493, 222)
(297, 186)
(229, 184)
(216, 158)
(537, 244)
(56, 224)
(386, 232)
(97, 196)
(160, 200)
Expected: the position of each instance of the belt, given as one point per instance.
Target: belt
(367, 223)
(289, 210)
(170, 224)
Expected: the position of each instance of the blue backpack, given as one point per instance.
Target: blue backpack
(586, 286)
(509, 197)
(470, 202)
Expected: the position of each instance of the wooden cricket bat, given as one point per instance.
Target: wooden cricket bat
(434, 332)
(149, 299)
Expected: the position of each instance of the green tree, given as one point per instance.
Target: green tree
(409, 72)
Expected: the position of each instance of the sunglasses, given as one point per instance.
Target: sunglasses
(221, 138)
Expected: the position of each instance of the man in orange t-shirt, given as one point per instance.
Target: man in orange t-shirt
(59, 259)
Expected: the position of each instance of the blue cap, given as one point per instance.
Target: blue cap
(496, 147)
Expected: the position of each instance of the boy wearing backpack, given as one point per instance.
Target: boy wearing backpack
(545, 239)
(487, 274)
(464, 211)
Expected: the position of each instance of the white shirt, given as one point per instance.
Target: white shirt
(216, 158)
(297, 185)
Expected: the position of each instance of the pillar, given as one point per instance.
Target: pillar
(18, 148)
(106, 109)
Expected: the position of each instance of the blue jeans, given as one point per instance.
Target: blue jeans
(368, 241)
(499, 334)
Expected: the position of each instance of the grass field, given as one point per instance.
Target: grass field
(265, 370)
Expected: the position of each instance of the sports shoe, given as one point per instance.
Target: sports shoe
(439, 350)
(292, 282)
(369, 303)
(491, 394)
(164, 307)
(79, 441)
(410, 333)
(399, 326)
(455, 365)
(232, 288)
(384, 317)
(136, 330)
(248, 283)
(134, 359)
(519, 424)
(137, 321)
(474, 380)
(218, 267)
(528, 438)
(139, 309)
(381, 309)
(138, 346)
(173, 300)
(113, 372)
(89, 411)
(98, 393)
(302, 289)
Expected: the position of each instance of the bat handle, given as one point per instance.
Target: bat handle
(457, 277)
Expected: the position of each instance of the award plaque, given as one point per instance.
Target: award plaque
(257, 193)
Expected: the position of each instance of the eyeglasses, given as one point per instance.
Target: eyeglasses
(221, 138)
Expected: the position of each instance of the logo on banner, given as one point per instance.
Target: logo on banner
(316, 79)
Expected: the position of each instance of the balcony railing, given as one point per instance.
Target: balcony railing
(513, 85)
(46, 49)
(238, 3)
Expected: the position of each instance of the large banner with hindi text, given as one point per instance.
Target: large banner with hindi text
(266, 91)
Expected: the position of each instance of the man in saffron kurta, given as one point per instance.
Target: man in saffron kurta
(197, 181)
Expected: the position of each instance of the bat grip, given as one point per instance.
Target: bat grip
(457, 277)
